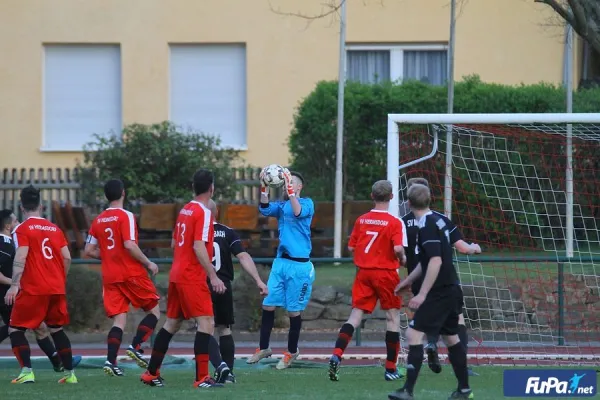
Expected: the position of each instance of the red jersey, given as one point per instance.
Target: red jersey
(44, 268)
(373, 238)
(194, 222)
(110, 230)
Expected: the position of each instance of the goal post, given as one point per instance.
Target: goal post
(526, 187)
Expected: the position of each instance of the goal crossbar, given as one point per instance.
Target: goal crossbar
(539, 118)
(393, 133)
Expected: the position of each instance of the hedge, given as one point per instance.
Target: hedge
(313, 139)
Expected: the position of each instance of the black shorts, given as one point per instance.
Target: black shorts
(439, 312)
(5, 312)
(416, 287)
(223, 306)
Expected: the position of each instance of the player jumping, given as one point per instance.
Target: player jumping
(38, 286)
(9, 223)
(292, 274)
(188, 296)
(227, 243)
(377, 241)
(113, 239)
(456, 239)
(437, 304)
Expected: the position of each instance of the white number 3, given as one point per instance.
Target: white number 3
(110, 239)
(47, 250)
(374, 236)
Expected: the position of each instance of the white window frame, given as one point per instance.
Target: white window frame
(396, 54)
(44, 147)
(246, 89)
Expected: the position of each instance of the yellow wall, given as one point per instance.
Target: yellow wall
(502, 41)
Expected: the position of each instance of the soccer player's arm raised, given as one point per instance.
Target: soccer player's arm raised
(129, 232)
(433, 246)
(303, 209)
(459, 244)
(266, 208)
(237, 249)
(201, 237)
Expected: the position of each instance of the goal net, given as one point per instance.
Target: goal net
(532, 297)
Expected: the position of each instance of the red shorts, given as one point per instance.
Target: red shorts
(371, 285)
(30, 310)
(139, 292)
(189, 300)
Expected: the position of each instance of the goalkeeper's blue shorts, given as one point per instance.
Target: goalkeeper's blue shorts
(290, 284)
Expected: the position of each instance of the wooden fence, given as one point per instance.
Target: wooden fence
(62, 185)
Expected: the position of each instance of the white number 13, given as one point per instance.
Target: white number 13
(180, 233)
(373, 237)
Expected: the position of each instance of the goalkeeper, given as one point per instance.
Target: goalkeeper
(412, 260)
(292, 274)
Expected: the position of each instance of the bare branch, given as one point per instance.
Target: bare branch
(560, 10)
(461, 7)
(328, 9)
(582, 15)
(579, 16)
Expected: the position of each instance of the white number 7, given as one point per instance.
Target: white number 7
(374, 236)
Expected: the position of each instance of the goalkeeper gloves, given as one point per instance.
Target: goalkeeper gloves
(264, 188)
(287, 176)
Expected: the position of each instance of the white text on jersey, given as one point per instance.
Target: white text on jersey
(374, 222)
(42, 228)
(107, 219)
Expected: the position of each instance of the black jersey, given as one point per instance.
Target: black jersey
(412, 228)
(226, 243)
(7, 256)
(433, 240)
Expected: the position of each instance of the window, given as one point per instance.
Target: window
(373, 64)
(82, 94)
(208, 90)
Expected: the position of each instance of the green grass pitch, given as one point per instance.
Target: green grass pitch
(253, 383)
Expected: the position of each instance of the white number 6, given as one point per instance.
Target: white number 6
(47, 250)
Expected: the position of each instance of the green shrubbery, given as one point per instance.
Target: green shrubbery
(313, 140)
(84, 297)
(156, 163)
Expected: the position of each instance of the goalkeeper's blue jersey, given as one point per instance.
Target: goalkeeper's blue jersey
(294, 231)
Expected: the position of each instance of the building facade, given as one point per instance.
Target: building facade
(235, 68)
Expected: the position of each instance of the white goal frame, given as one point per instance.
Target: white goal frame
(448, 120)
(393, 143)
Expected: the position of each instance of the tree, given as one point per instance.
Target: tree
(156, 163)
(582, 15)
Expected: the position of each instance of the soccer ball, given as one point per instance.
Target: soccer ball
(273, 175)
